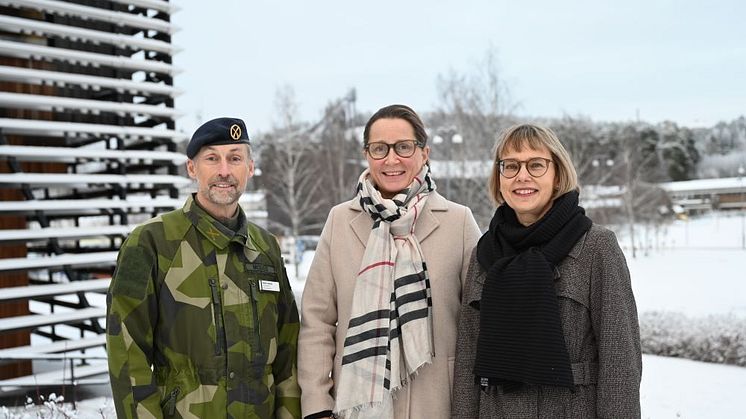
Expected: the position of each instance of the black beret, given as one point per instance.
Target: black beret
(218, 131)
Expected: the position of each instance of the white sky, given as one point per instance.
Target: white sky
(679, 60)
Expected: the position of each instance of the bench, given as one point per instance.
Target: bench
(50, 290)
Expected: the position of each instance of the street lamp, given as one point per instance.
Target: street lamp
(448, 136)
(741, 172)
(597, 162)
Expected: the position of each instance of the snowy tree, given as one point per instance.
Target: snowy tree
(678, 151)
(723, 150)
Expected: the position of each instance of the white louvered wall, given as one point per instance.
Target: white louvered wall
(88, 149)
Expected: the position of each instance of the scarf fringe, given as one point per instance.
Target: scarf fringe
(394, 393)
(406, 380)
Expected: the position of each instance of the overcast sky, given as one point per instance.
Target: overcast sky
(678, 60)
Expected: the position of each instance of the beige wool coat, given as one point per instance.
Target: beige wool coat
(447, 234)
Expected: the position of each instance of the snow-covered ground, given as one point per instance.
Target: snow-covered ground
(699, 269)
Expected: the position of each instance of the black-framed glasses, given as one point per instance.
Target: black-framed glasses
(536, 167)
(403, 148)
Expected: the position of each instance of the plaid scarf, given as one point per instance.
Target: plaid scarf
(390, 335)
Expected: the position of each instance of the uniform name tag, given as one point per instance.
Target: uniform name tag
(269, 286)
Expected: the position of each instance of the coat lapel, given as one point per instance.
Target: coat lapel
(360, 223)
(429, 221)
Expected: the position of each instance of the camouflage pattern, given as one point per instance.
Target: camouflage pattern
(202, 322)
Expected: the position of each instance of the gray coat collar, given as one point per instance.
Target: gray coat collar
(428, 222)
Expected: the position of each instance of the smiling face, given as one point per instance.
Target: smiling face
(221, 172)
(393, 173)
(529, 196)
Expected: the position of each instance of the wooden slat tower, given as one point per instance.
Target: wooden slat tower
(88, 149)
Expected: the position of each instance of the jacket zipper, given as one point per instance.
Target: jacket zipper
(255, 310)
(217, 313)
(170, 403)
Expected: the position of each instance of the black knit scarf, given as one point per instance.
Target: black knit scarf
(520, 339)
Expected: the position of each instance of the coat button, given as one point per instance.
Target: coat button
(224, 286)
(232, 375)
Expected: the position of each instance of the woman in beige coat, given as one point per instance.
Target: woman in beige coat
(378, 320)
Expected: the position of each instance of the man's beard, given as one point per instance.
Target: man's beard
(227, 197)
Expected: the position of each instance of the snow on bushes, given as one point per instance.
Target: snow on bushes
(720, 339)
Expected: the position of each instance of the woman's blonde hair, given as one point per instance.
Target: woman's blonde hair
(535, 137)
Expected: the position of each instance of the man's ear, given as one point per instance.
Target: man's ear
(251, 168)
(190, 169)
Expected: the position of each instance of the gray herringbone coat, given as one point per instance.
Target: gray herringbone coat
(599, 319)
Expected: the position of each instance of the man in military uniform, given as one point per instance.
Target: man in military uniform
(201, 319)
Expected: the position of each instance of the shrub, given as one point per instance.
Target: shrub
(719, 339)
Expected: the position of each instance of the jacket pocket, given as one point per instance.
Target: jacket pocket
(264, 315)
(573, 287)
(217, 312)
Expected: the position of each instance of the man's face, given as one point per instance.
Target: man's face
(221, 172)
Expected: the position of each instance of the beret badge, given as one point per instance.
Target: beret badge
(235, 132)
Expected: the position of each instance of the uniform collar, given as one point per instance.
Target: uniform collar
(213, 230)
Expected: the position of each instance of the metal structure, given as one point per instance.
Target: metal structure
(87, 150)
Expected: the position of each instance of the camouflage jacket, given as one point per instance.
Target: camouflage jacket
(202, 322)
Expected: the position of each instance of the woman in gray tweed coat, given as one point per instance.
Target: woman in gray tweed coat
(548, 323)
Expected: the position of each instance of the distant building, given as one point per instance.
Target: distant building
(707, 194)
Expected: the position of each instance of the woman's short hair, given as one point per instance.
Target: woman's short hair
(398, 112)
(535, 137)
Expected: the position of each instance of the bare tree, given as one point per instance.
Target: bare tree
(474, 107)
(341, 155)
(589, 148)
(639, 169)
(290, 172)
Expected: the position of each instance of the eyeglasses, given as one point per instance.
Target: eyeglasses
(404, 148)
(536, 167)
